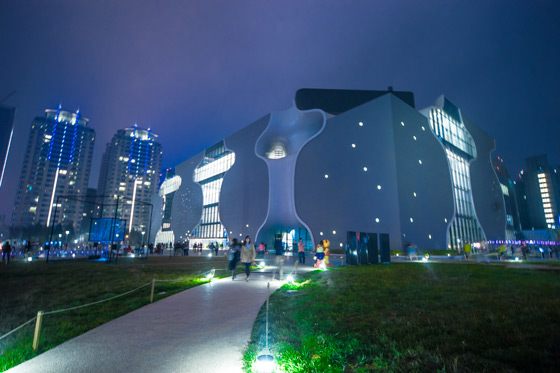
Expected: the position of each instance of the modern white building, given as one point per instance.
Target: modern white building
(340, 162)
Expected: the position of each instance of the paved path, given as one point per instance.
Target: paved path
(203, 329)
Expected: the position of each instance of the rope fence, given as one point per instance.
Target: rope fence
(39, 318)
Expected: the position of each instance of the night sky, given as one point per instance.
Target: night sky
(197, 71)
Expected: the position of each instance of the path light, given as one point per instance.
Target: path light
(265, 361)
(30, 258)
(210, 275)
(290, 279)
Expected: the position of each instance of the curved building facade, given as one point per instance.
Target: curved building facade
(344, 161)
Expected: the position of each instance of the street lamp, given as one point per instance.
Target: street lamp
(136, 182)
(67, 232)
(143, 238)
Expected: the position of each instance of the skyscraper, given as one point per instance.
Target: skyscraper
(57, 163)
(538, 195)
(129, 176)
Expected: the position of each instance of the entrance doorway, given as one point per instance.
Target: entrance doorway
(290, 239)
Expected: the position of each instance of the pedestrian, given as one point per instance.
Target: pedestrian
(233, 257)
(301, 251)
(248, 256)
(279, 260)
(261, 250)
(467, 251)
(6, 252)
(216, 248)
(525, 252)
(212, 247)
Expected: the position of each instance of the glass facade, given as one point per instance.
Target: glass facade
(460, 149)
(209, 174)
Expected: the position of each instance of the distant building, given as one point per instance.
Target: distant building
(513, 224)
(163, 206)
(343, 161)
(57, 163)
(537, 191)
(129, 176)
(7, 115)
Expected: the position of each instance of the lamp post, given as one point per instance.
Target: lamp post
(67, 232)
(136, 182)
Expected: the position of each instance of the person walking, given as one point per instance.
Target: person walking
(248, 255)
(301, 251)
(6, 252)
(279, 260)
(233, 256)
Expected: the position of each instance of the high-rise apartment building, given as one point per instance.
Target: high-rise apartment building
(538, 194)
(129, 176)
(57, 162)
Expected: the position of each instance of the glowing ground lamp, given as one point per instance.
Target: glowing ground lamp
(290, 279)
(265, 361)
(210, 275)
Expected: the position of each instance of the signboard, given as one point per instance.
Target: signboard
(101, 229)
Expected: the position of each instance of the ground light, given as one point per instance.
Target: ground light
(210, 275)
(29, 258)
(265, 361)
(290, 279)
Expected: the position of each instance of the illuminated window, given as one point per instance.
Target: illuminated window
(278, 151)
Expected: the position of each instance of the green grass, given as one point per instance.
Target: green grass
(37, 286)
(414, 317)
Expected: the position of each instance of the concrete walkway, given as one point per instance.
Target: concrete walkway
(203, 329)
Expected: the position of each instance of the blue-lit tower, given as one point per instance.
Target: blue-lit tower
(57, 162)
(130, 171)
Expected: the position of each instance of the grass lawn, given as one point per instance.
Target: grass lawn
(30, 287)
(414, 317)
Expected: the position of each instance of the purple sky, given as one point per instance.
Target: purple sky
(197, 71)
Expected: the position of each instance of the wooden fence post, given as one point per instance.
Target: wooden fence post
(37, 334)
(152, 294)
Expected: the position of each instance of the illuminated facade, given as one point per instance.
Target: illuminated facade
(538, 194)
(210, 175)
(167, 191)
(343, 161)
(130, 173)
(57, 162)
(446, 123)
